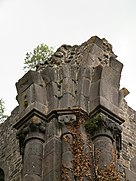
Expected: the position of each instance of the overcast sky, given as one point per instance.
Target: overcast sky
(26, 23)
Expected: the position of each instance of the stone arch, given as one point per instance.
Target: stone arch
(2, 175)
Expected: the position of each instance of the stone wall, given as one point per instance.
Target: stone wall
(10, 159)
(128, 153)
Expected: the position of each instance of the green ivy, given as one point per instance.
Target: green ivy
(91, 125)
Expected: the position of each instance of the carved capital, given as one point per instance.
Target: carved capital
(102, 124)
(110, 124)
(35, 125)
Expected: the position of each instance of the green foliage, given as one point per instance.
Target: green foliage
(3, 116)
(91, 125)
(40, 55)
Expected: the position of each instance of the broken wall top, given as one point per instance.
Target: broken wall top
(85, 77)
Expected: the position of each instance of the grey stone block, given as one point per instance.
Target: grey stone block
(83, 102)
(53, 103)
(88, 72)
(94, 90)
(67, 158)
(85, 71)
(67, 101)
(94, 52)
(130, 176)
(95, 40)
(52, 129)
(111, 76)
(48, 163)
(50, 91)
(51, 162)
(34, 93)
(97, 73)
(56, 86)
(51, 146)
(52, 158)
(68, 86)
(66, 68)
(93, 104)
(113, 108)
(133, 164)
(74, 72)
(58, 73)
(116, 65)
(54, 175)
(109, 92)
(83, 87)
(86, 87)
(28, 79)
(80, 86)
(48, 74)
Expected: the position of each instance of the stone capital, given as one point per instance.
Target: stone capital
(34, 129)
(101, 124)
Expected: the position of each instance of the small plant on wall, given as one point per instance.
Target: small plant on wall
(92, 124)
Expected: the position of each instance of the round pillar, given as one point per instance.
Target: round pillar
(33, 157)
(104, 132)
(31, 140)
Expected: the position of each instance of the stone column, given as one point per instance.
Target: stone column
(67, 146)
(105, 134)
(31, 139)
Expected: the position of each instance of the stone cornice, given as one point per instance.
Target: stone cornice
(34, 111)
(60, 112)
(105, 111)
(28, 114)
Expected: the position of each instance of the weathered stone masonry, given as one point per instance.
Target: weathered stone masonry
(72, 122)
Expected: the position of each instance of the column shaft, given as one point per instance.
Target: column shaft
(33, 157)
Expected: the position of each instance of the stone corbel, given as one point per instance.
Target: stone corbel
(64, 120)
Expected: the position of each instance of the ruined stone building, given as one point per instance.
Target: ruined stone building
(72, 122)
